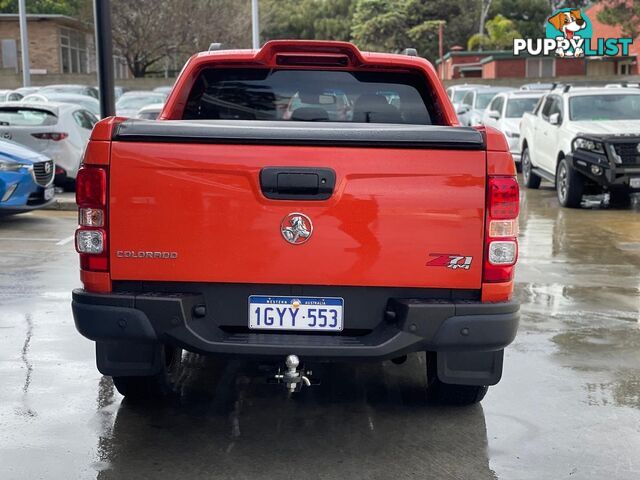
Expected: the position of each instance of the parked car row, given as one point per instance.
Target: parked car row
(583, 139)
(48, 128)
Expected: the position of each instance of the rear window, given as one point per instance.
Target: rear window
(517, 107)
(312, 95)
(26, 117)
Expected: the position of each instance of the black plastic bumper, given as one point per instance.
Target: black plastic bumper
(409, 325)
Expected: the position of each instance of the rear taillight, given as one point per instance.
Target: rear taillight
(91, 235)
(501, 238)
(55, 136)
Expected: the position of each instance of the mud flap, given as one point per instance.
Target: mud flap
(470, 368)
(127, 359)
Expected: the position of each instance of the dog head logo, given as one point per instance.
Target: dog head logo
(568, 22)
(570, 27)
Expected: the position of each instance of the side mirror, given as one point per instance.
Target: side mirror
(462, 109)
(494, 114)
(554, 119)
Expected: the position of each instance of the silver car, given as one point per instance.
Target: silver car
(456, 92)
(58, 130)
(75, 89)
(9, 95)
(474, 102)
(84, 101)
(150, 112)
(131, 102)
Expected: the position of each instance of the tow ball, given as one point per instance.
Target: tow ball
(292, 377)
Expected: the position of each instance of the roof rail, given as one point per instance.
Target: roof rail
(566, 88)
(412, 52)
(215, 46)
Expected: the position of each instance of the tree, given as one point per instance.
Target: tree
(306, 19)
(146, 32)
(500, 34)
(622, 13)
(392, 25)
(529, 16)
(61, 7)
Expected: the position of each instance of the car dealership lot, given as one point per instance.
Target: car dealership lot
(568, 405)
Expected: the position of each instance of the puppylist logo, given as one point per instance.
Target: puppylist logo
(569, 33)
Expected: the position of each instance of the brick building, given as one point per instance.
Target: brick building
(57, 45)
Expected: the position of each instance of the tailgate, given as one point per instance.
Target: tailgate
(187, 205)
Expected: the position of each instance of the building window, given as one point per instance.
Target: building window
(624, 67)
(73, 51)
(540, 67)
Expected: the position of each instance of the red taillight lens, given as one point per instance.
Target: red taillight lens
(504, 198)
(91, 235)
(91, 187)
(501, 230)
(55, 136)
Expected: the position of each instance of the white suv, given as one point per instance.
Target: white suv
(586, 141)
(505, 112)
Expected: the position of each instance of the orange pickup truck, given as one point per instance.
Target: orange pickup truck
(299, 203)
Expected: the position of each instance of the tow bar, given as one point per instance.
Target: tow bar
(292, 378)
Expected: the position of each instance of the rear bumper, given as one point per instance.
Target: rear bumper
(409, 325)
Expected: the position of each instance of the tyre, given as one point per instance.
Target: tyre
(448, 393)
(530, 179)
(142, 389)
(619, 198)
(569, 185)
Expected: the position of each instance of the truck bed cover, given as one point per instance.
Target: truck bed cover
(300, 133)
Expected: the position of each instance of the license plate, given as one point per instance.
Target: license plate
(323, 314)
(48, 193)
(634, 182)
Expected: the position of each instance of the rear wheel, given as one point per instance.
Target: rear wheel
(569, 185)
(448, 393)
(152, 387)
(531, 180)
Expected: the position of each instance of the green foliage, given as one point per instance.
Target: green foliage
(622, 13)
(529, 16)
(71, 8)
(500, 34)
(307, 19)
(391, 25)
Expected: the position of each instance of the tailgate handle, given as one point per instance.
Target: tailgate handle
(293, 183)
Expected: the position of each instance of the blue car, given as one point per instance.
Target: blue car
(26, 179)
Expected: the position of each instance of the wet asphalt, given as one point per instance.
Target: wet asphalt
(568, 405)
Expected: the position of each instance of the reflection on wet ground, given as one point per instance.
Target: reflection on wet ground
(568, 405)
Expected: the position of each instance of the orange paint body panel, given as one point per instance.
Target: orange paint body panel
(391, 209)
(98, 282)
(497, 292)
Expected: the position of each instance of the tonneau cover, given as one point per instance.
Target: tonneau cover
(300, 133)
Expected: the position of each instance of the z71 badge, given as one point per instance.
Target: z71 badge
(450, 261)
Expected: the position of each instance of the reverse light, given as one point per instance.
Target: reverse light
(91, 235)
(90, 241)
(503, 206)
(55, 136)
(503, 253)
